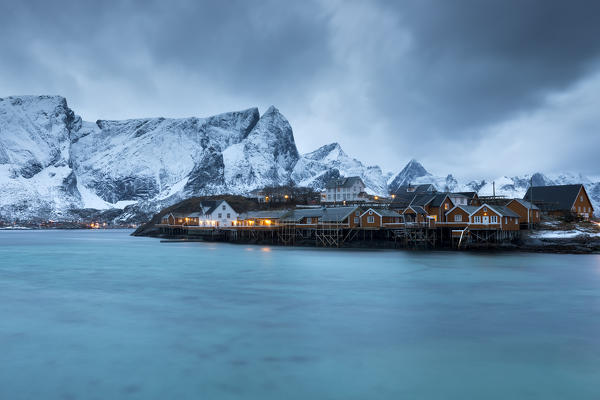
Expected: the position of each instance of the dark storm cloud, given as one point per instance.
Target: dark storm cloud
(391, 71)
(476, 61)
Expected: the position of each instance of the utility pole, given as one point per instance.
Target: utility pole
(530, 202)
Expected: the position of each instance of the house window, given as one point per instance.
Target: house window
(356, 220)
(309, 220)
(581, 198)
(370, 212)
(357, 213)
(484, 209)
(228, 215)
(458, 218)
(446, 206)
(223, 207)
(494, 219)
(371, 219)
(506, 220)
(477, 219)
(219, 216)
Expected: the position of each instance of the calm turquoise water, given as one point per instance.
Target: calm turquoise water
(101, 315)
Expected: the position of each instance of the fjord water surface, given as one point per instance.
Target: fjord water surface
(102, 315)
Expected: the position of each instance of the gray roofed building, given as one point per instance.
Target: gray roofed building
(468, 209)
(422, 188)
(337, 214)
(502, 210)
(268, 214)
(418, 209)
(553, 198)
(437, 199)
(526, 204)
(344, 182)
(384, 212)
(297, 214)
(505, 211)
(470, 195)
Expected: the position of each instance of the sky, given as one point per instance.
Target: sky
(469, 87)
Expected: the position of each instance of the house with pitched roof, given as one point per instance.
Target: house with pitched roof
(486, 217)
(529, 213)
(380, 217)
(559, 200)
(211, 213)
(494, 217)
(309, 217)
(261, 218)
(344, 216)
(414, 213)
(460, 215)
(472, 198)
(345, 189)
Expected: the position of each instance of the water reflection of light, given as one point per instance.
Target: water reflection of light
(266, 249)
(249, 249)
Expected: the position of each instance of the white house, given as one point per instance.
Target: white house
(215, 213)
(345, 189)
(219, 212)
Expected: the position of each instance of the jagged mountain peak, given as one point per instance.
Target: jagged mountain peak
(412, 171)
(54, 165)
(331, 151)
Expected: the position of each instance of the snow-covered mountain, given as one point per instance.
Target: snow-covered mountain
(54, 165)
(511, 187)
(316, 168)
(52, 162)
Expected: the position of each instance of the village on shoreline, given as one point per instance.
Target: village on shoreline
(548, 218)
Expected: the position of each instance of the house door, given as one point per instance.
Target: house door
(486, 220)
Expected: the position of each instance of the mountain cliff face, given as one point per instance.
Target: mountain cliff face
(316, 168)
(52, 162)
(53, 165)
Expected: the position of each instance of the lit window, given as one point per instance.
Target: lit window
(446, 206)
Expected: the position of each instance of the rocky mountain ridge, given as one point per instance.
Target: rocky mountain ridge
(55, 166)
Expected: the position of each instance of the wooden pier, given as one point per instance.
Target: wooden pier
(405, 235)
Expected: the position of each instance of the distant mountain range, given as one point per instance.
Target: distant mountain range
(54, 165)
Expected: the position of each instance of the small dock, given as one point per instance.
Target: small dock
(401, 235)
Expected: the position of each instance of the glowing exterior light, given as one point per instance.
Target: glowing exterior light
(376, 197)
(286, 196)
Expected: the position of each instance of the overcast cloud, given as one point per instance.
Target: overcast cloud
(470, 87)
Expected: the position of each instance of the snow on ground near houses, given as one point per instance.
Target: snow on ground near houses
(568, 234)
